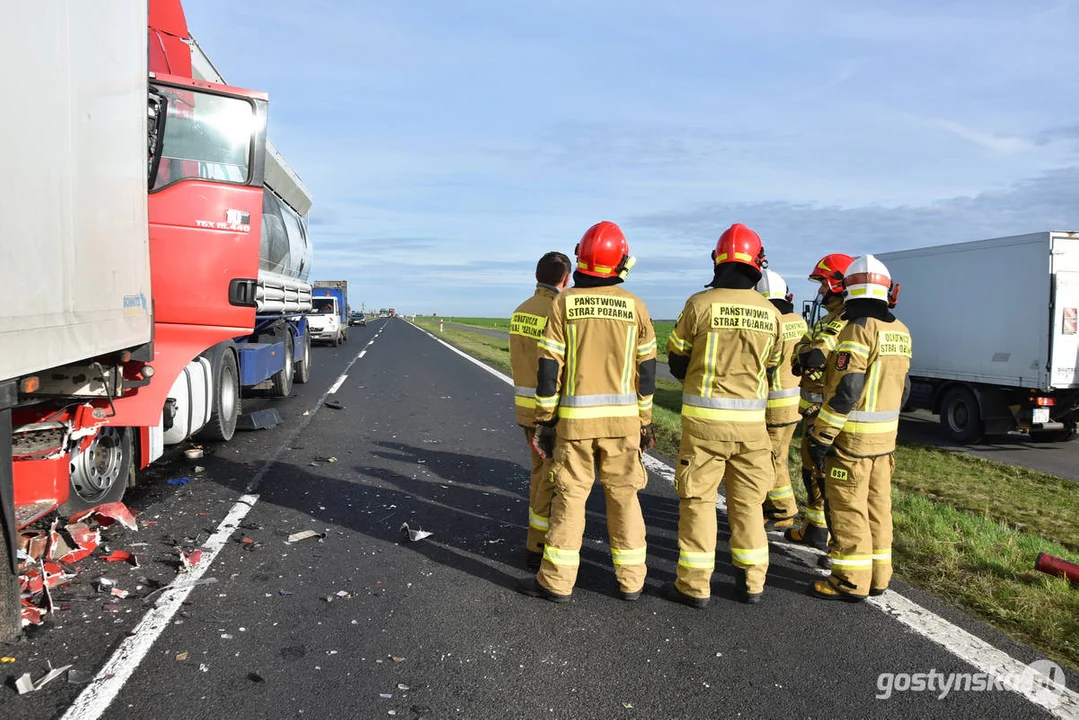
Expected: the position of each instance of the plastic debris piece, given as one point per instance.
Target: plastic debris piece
(107, 514)
(343, 593)
(77, 677)
(33, 544)
(255, 677)
(333, 404)
(31, 614)
(85, 542)
(413, 535)
(6, 660)
(314, 464)
(179, 481)
(199, 469)
(24, 684)
(190, 559)
(397, 659)
(385, 696)
(48, 574)
(117, 592)
(193, 453)
(226, 636)
(402, 686)
(304, 534)
(628, 706)
(181, 656)
(122, 556)
(284, 592)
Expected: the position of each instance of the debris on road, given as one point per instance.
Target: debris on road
(285, 592)
(25, 684)
(304, 534)
(397, 659)
(333, 404)
(414, 535)
(107, 514)
(77, 677)
(255, 677)
(188, 559)
(181, 656)
(122, 556)
(180, 481)
(193, 453)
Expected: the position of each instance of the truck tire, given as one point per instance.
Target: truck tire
(346, 335)
(336, 339)
(281, 382)
(960, 416)
(303, 365)
(226, 410)
(102, 472)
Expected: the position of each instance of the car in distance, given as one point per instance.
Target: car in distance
(357, 318)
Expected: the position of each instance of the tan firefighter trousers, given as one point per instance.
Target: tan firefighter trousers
(811, 479)
(540, 490)
(860, 513)
(622, 474)
(781, 502)
(702, 465)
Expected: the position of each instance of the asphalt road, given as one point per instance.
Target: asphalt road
(363, 624)
(1056, 458)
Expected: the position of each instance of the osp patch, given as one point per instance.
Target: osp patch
(842, 360)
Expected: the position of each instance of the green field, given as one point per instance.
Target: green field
(967, 530)
(663, 329)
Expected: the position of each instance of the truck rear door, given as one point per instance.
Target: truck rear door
(1064, 354)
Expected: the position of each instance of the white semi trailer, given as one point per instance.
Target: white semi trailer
(994, 328)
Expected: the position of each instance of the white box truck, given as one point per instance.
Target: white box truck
(74, 247)
(994, 328)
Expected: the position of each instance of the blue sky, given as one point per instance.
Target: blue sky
(449, 145)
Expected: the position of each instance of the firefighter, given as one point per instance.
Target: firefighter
(780, 509)
(526, 328)
(810, 356)
(597, 375)
(724, 344)
(852, 440)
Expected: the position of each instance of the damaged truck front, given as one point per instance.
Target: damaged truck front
(76, 325)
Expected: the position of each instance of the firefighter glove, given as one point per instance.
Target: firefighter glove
(817, 452)
(543, 440)
(648, 437)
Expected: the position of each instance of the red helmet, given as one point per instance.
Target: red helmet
(832, 268)
(603, 251)
(741, 245)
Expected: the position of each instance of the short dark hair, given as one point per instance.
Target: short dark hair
(552, 267)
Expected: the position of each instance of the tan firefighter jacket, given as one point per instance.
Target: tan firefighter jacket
(783, 388)
(732, 338)
(527, 324)
(864, 388)
(811, 355)
(597, 364)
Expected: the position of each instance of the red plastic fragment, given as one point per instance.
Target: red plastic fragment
(107, 514)
(122, 556)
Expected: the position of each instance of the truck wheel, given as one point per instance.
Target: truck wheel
(303, 367)
(336, 339)
(282, 379)
(101, 473)
(960, 416)
(346, 336)
(226, 409)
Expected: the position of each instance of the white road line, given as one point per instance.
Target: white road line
(363, 352)
(1061, 702)
(340, 381)
(111, 678)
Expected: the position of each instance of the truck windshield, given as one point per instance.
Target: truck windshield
(207, 137)
(323, 307)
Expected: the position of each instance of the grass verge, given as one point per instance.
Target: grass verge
(967, 530)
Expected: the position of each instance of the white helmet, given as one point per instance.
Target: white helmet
(868, 279)
(773, 287)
